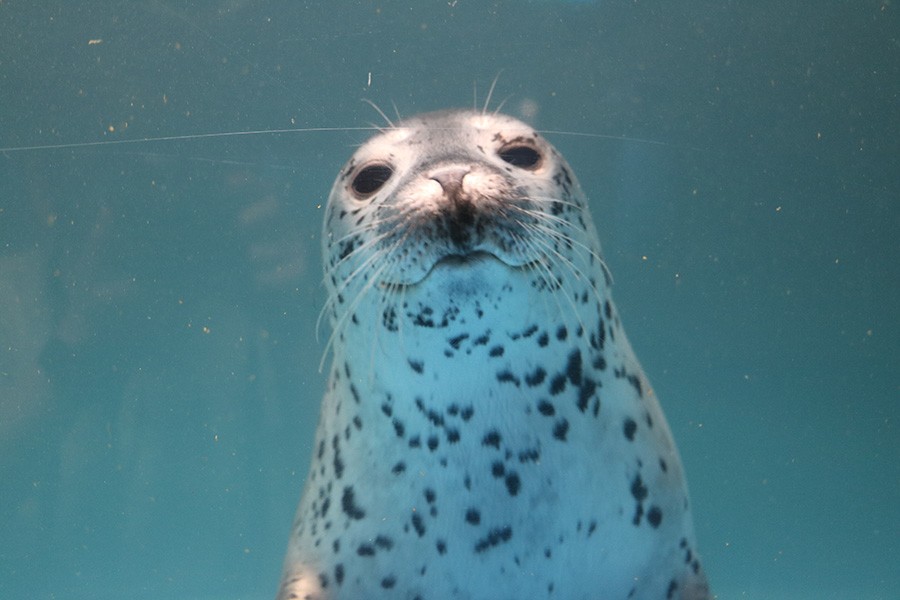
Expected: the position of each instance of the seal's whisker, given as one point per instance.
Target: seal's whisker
(545, 272)
(594, 253)
(551, 200)
(361, 268)
(340, 288)
(487, 100)
(363, 247)
(385, 222)
(567, 262)
(350, 309)
(380, 112)
(567, 290)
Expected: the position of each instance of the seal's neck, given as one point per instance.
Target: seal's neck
(463, 328)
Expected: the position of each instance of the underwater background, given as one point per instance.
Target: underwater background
(159, 359)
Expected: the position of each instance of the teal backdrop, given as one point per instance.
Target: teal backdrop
(159, 381)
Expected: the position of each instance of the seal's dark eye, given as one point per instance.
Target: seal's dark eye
(370, 179)
(521, 155)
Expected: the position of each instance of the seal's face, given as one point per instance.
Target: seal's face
(494, 190)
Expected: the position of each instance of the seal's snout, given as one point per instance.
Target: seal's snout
(458, 209)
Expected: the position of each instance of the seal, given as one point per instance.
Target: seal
(487, 432)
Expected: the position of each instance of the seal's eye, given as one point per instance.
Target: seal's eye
(370, 178)
(518, 154)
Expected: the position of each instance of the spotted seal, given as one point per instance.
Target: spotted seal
(487, 432)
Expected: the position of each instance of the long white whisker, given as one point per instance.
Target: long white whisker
(340, 288)
(353, 304)
(567, 290)
(380, 112)
(487, 101)
(544, 272)
(539, 216)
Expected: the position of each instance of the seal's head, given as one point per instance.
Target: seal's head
(489, 187)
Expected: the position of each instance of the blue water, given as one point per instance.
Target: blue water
(159, 380)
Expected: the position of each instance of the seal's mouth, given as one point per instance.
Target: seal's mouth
(451, 263)
(467, 259)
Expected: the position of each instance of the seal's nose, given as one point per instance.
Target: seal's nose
(458, 212)
(450, 178)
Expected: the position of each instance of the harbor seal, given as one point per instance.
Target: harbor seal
(487, 432)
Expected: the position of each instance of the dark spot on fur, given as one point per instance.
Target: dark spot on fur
(635, 382)
(349, 506)
(561, 429)
(457, 340)
(491, 438)
(630, 427)
(494, 538)
(513, 484)
(532, 455)
(535, 378)
(654, 516)
(573, 367)
(545, 408)
(473, 517)
(337, 462)
(507, 377)
(585, 392)
(557, 384)
(418, 525)
(639, 491)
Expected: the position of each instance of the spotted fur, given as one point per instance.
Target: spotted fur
(487, 432)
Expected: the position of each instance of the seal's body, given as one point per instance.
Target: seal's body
(487, 432)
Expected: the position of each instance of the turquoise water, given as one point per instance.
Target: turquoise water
(159, 380)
